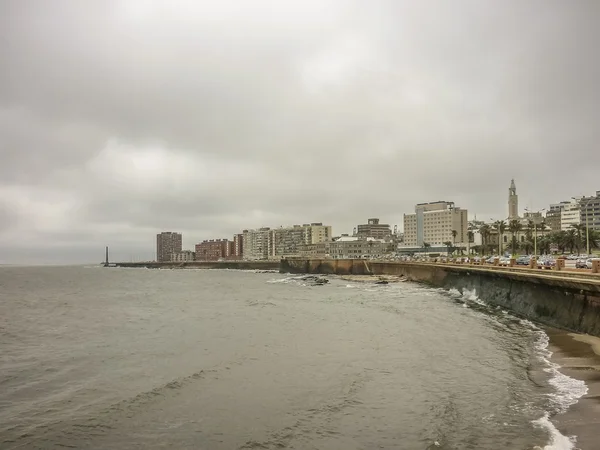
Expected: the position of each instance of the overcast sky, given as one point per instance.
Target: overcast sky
(119, 119)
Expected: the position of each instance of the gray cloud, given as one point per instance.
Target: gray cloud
(122, 118)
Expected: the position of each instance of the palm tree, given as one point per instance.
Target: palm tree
(527, 246)
(579, 231)
(454, 234)
(543, 244)
(594, 239)
(448, 244)
(484, 230)
(514, 227)
(530, 229)
(470, 239)
(500, 226)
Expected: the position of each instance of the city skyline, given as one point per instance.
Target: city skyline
(211, 117)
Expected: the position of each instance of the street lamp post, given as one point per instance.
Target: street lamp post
(535, 225)
(587, 228)
(499, 233)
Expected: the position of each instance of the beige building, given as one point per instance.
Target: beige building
(255, 244)
(433, 223)
(183, 256)
(346, 247)
(267, 243)
(374, 229)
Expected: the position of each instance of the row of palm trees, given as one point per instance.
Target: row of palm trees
(572, 239)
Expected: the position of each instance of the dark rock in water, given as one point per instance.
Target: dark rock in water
(381, 282)
(316, 281)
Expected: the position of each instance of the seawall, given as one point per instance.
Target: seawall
(235, 265)
(561, 299)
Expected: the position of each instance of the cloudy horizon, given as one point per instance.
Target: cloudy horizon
(121, 119)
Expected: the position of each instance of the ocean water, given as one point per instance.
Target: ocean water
(131, 358)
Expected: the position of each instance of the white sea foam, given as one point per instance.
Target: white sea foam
(567, 392)
(558, 441)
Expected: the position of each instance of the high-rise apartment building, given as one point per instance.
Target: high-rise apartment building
(255, 244)
(590, 211)
(570, 214)
(167, 243)
(238, 245)
(433, 223)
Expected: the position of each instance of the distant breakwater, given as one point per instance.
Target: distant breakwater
(561, 299)
(234, 265)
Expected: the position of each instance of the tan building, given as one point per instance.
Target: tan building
(347, 247)
(433, 223)
(267, 243)
(255, 244)
(374, 229)
(167, 243)
(183, 256)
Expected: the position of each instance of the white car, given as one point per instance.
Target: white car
(588, 263)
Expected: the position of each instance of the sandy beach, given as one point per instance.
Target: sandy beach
(579, 357)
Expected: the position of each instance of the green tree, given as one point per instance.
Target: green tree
(579, 233)
(485, 232)
(470, 238)
(450, 250)
(543, 244)
(514, 227)
(594, 238)
(527, 246)
(500, 227)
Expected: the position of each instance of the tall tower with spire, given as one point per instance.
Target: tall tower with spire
(513, 201)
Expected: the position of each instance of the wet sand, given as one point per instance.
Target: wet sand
(578, 356)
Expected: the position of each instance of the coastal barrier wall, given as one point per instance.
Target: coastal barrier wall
(565, 300)
(234, 265)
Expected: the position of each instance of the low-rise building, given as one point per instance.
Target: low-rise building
(374, 229)
(213, 250)
(183, 256)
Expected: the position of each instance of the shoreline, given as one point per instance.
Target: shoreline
(578, 357)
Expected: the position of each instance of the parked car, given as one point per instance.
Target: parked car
(546, 262)
(588, 263)
(491, 259)
(581, 263)
(504, 261)
(523, 260)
